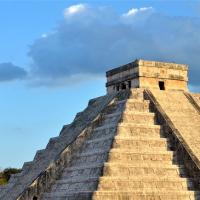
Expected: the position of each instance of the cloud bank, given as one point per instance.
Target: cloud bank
(91, 40)
(10, 72)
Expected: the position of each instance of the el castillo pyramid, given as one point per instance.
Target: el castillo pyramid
(141, 141)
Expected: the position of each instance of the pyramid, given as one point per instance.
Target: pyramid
(141, 141)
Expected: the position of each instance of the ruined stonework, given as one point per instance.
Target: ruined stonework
(139, 143)
(147, 74)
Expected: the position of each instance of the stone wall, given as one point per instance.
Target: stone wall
(148, 74)
(182, 121)
(149, 82)
(173, 75)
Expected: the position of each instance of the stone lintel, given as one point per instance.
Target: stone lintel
(166, 65)
(147, 63)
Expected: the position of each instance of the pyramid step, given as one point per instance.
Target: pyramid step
(101, 133)
(110, 183)
(189, 181)
(143, 151)
(86, 183)
(40, 153)
(132, 100)
(134, 125)
(87, 170)
(99, 143)
(113, 117)
(98, 156)
(134, 156)
(146, 149)
(137, 105)
(131, 170)
(125, 142)
(77, 180)
(136, 94)
(148, 163)
(118, 183)
(139, 118)
(127, 129)
(105, 127)
(99, 139)
(146, 195)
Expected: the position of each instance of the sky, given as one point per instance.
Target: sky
(54, 55)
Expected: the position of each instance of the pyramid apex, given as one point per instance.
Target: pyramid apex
(148, 74)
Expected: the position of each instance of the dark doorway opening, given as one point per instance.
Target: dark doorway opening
(117, 87)
(123, 86)
(129, 84)
(35, 198)
(161, 85)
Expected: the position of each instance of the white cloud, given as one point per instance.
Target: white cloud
(134, 11)
(99, 40)
(74, 9)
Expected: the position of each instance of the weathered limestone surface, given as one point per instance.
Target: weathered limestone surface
(44, 158)
(183, 115)
(80, 178)
(141, 164)
(196, 98)
(147, 74)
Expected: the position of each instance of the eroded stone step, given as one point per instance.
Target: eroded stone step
(131, 170)
(87, 170)
(88, 183)
(99, 143)
(120, 183)
(139, 106)
(112, 117)
(137, 94)
(95, 156)
(132, 100)
(139, 118)
(134, 125)
(149, 163)
(134, 156)
(189, 181)
(105, 127)
(104, 132)
(99, 139)
(125, 142)
(77, 180)
(148, 195)
(127, 130)
(144, 151)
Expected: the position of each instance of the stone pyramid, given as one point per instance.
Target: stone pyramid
(141, 141)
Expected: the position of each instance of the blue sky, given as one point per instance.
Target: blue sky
(47, 46)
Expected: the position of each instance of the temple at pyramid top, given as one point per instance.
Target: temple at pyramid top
(148, 74)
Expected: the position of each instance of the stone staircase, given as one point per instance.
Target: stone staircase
(127, 156)
(80, 179)
(140, 165)
(184, 116)
(38, 175)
